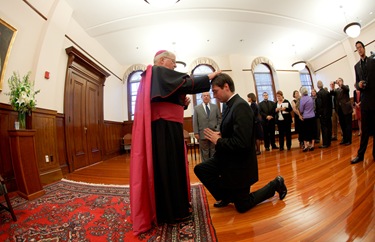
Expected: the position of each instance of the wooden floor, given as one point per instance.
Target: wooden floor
(328, 198)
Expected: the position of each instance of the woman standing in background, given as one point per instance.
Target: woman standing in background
(306, 108)
(297, 116)
(283, 120)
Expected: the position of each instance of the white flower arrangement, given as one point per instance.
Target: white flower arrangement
(22, 94)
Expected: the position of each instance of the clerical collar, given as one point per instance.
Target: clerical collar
(230, 98)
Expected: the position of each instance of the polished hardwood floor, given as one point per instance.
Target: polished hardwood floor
(328, 198)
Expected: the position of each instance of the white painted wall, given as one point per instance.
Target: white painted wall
(40, 46)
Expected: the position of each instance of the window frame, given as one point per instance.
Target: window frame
(272, 83)
(129, 91)
(307, 73)
(195, 99)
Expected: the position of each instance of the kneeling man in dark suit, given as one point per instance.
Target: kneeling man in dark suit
(234, 168)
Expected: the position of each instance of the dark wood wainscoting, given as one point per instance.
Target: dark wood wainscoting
(188, 124)
(7, 119)
(113, 133)
(50, 142)
(44, 122)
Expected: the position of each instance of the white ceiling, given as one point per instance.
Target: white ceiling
(287, 30)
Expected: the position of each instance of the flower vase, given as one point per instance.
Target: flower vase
(22, 120)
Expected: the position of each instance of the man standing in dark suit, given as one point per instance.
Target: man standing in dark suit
(267, 111)
(234, 168)
(344, 109)
(324, 113)
(206, 115)
(365, 81)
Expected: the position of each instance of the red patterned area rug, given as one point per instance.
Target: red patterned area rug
(73, 211)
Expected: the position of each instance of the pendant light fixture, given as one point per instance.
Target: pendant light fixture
(353, 29)
(299, 65)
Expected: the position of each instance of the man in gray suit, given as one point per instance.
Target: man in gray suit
(206, 115)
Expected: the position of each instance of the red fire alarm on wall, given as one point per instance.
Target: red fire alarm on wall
(46, 74)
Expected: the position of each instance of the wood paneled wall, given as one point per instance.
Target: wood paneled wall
(44, 122)
(50, 141)
(7, 119)
(113, 133)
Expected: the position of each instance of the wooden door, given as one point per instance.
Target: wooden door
(78, 122)
(92, 123)
(83, 106)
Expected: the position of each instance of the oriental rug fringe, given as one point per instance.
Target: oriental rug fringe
(76, 211)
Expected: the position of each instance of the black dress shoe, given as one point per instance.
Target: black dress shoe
(348, 143)
(334, 138)
(342, 142)
(280, 187)
(324, 146)
(356, 160)
(281, 149)
(221, 204)
(258, 153)
(274, 147)
(267, 149)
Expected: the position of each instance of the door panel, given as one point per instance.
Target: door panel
(78, 120)
(92, 122)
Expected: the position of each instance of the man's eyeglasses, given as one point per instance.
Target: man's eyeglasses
(173, 61)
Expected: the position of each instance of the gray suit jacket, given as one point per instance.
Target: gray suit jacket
(200, 120)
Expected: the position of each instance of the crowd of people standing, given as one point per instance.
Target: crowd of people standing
(159, 179)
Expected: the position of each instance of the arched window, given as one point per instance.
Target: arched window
(133, 84)
(200, 70)
(264, 81)
(306, 80)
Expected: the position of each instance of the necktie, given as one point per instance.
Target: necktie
(207, 111)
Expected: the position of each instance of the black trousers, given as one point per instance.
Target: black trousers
(285, 131)
(269, 133)
(346, 125)
(209, 174)
(326, 127)
(368, 119)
